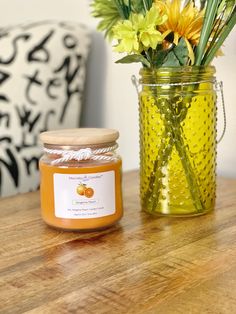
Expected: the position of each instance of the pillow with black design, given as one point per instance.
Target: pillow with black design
(42, 77)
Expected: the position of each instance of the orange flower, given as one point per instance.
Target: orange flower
(183, 22)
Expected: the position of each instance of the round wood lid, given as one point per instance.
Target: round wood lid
(80, 136)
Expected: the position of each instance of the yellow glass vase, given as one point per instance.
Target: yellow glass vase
(177, 140)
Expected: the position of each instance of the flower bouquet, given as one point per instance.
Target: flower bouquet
(175, 41)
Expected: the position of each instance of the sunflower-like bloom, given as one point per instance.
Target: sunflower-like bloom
(139, 32)
(183, 22)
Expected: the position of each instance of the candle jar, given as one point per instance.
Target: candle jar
(80, 179)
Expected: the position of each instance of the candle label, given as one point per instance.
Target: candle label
(83, 196)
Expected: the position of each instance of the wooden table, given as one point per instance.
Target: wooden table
(142, 265)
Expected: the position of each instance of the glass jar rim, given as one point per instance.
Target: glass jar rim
(210, 69)
(179, 69)
(179, 74)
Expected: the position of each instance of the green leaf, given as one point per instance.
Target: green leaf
(137, 6)
(134, 58)
(108, 14)
(160, 56)
(208, 24)
(225, 23)
(203, 3)
(147, 4)
(225, 33)
(123, 9)
(226, 5)
(181, 52)
(171, 60)
(177, 56)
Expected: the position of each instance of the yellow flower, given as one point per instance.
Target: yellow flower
(139, 32)
(127, 36)
(184, 22)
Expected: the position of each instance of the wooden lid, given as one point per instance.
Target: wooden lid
(80, 136)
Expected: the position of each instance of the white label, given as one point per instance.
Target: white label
(80, 196)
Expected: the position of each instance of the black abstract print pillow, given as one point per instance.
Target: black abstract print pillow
(42, 76)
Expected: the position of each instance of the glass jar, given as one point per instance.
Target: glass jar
(80, 179)
(177, 140)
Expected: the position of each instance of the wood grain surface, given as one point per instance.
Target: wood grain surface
(141, 265)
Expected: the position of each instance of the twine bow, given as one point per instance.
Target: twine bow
(81, 154)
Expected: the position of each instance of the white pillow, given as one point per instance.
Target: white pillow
(42, 76)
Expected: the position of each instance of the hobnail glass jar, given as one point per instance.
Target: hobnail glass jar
(80, 179)
(177, 140)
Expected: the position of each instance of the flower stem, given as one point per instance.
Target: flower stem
(160, 163)
(173, 128)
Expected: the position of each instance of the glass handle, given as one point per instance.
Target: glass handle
(135, 83)
(219, 89)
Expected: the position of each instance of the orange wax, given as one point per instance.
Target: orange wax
(47, 197)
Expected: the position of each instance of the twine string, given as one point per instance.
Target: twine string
(81, 154)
